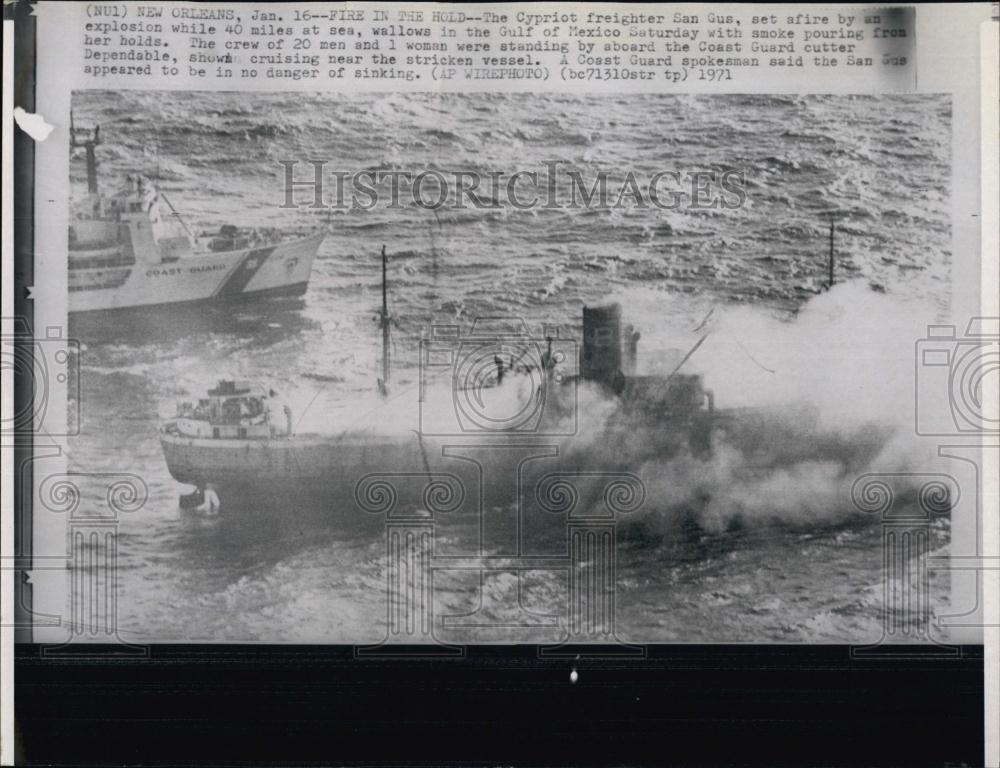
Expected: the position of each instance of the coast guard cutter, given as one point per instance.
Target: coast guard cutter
(130, 249)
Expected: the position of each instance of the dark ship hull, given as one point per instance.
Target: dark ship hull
(407, 475)
(305, 470)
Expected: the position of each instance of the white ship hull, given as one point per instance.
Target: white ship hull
(278, 268)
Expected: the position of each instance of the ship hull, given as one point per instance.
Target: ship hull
(205, 280)
(146, 323)
(307, 471)
(391, 475)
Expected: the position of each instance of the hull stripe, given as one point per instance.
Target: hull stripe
(239, 278)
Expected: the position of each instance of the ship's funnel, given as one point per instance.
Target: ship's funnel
(609, 350)
(601, 355)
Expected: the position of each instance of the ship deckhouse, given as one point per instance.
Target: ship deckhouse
(232, 410)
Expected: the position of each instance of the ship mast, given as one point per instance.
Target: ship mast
(830, 283)
(90, 144)
(384, 321)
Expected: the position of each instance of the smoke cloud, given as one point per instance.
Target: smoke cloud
(806, 404)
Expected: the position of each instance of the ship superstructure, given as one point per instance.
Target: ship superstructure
(233, 409)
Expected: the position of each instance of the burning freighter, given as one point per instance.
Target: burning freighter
(514, 400)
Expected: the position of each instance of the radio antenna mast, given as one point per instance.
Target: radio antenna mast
(384, 321)
(829, 284)
(90, 145)
(177, 214)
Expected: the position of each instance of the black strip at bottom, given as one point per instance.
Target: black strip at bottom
(679, 705)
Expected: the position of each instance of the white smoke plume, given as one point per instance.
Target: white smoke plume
(807, 403)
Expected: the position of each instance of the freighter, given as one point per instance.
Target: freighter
(241, 445)
(131, 249)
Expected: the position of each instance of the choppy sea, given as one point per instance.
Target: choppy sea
(779, 557)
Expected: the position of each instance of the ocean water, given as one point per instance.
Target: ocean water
(759, 543)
